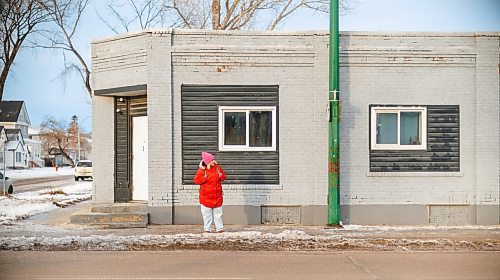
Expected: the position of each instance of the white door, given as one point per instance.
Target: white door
(140, 158)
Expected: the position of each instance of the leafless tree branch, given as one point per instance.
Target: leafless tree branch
(242, 14)
(66, 15)
(19, 19)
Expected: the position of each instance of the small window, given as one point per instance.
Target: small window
(18, 157)
(398, 128)
(247, 128)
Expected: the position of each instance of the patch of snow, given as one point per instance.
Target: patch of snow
(26, 204)
(17, 174)
(288, 240)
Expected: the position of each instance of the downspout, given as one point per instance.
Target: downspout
(334, 114)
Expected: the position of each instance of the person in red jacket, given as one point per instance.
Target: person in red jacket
(209, 176)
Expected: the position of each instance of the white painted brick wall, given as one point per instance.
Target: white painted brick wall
(120, 61)
(159, 120)
(103, 149)
(487, 136)
(394, 68)
(435, 81)
(196, 60)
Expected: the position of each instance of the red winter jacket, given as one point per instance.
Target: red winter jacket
(210, 185)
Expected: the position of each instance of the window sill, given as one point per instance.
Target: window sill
(236, 187)
(414, 174)
(227, 149)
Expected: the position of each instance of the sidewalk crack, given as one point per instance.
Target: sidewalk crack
(358, 265)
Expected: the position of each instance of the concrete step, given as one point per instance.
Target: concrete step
(132, 207)
(112, 220)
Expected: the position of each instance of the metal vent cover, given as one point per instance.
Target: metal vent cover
(449, 214)
(280, 215)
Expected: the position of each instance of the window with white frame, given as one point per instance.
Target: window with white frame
(247, 128)
(399, 128)
(18, 157)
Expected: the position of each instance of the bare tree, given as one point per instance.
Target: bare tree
(56, 135)
(18, 19)
(66, 16)
(243, 14)
(214, 14)
(125, 15)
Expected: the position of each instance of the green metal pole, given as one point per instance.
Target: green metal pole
(333, 135)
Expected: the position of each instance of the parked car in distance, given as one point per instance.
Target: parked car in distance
(9, 187)
(83, 170)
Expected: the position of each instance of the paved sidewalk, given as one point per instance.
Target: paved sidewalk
(52, 231)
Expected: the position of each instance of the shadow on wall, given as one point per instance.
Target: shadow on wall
(249, 212)
(348, 111)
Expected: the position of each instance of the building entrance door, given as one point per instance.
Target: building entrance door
(140, 158)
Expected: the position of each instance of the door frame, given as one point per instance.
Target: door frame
(126, 107)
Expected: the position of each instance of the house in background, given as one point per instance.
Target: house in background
(34, 144)
(419, 135)
(21, 150)
(3, 139)
(14, 115)
(16, 150)
(85, 146)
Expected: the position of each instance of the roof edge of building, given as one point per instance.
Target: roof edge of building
(295, 33)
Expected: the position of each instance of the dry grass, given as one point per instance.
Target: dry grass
(54, 192)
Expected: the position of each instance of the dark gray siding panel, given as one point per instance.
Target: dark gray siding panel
(129, 107)
(122, 151)
(200, 132)
(443, 146)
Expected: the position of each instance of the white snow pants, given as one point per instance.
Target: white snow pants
(212, 215)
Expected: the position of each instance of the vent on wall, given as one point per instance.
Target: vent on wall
(449, 214)
(280, 215)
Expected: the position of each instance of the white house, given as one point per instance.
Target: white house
(35, 148)
(3, 140)
(16, 152)
(27, 146)
(14, 115)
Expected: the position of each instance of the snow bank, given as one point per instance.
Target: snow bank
(288, 240)
(39, 172)
(26, 204)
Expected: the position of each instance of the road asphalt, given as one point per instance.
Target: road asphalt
(35, 184)
(219, 265)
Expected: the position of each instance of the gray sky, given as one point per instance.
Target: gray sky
(34, 75)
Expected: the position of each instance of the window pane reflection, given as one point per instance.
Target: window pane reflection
(261, 126)
(387, 128)
(410, 128)
(234, 128)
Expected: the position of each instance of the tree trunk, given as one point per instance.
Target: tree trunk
(216, 15)
(65, 155)
(6, 69)
(3, 79)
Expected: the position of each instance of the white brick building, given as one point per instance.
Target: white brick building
(420, 134)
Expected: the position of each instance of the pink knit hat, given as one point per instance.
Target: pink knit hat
(207, 158)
